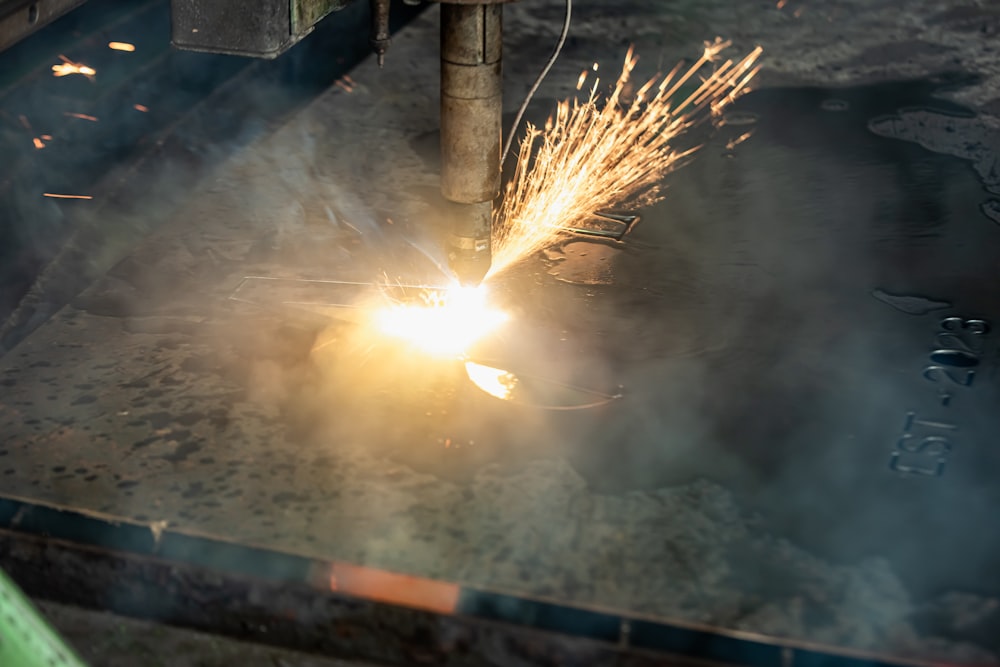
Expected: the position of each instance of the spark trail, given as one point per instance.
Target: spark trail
(593, 155)
(604, 153)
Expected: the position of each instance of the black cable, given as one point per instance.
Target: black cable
(538, 82)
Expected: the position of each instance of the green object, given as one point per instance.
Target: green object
(26, 638)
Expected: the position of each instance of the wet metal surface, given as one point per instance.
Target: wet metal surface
(792, 328)
(820, 390)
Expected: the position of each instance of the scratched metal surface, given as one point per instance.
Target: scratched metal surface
(771, 322)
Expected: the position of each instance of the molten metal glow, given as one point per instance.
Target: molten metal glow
(69, 67)
(608, 152)
(121, 46)
(444, 323)
(494, 381)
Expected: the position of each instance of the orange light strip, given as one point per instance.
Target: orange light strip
(121, 46)
(401, 589)
(55, 196)
(81, 116)
(140, 107)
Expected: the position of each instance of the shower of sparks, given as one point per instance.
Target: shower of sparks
(68, 67)
(443, 323)
(121, 46)
(600, 154)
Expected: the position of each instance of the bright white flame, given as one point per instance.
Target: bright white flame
(445, 324)
(494, 381)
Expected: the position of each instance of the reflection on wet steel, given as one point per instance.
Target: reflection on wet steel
(583, 262)
(494, 381)
(306, 291)
(911, 305)
(267, 290)
(336, 299)
(606, 225)
(535, 392)
(339, 299)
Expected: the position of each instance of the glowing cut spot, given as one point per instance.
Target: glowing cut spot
(444, 323)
